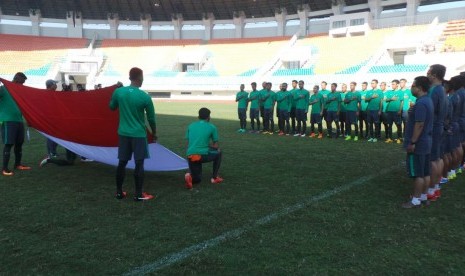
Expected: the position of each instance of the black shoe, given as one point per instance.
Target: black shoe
(120, 195)
(144, 197)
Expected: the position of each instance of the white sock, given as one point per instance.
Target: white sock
(416, 201)
(436, 187)
(431, 191)
(423, 197)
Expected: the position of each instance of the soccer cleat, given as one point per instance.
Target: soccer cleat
(432, 197)
(7, 172)
(459, 170)
(425, 203)
(216, 180)
(22, 168)
(399, 141)
(356, 138)
(444, 180)
(302, 135)
(374, 140)
(296, 135)
(312, 135)
(320, 136)
(348, 138)
(370, 140)
(437, 193)
(188, 180)
(388, 141)
(120, 195)
(83, 159)
(44, 161)
(239, 130)
(450, 176)
(281, 133)
(144, 197)
(410, 205)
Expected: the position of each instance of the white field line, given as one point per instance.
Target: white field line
(236, 233)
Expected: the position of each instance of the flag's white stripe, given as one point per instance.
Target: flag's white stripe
(161, 158)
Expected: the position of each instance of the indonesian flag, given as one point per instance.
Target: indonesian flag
(83, 123)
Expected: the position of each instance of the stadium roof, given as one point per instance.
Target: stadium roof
(163, 10)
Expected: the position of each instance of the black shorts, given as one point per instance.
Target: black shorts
(383, 118)
(283, 114)
(292, 114)
(393, 117)
(332, 116)
(372, 116)
(254, 113)
(241, 113)
(268, 113)
(262, 111)
(436, 151)
(362, 116)
(418, 165)
(301, 115)
(351, 117)
(129, 145)
(315, 118)
(13, 133)
(325, 114)
(342, 116)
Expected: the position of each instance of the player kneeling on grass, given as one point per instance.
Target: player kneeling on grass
(200, 150)
(418, 140)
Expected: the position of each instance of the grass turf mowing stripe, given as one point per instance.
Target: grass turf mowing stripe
(235, 233)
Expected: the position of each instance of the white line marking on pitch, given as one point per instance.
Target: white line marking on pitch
(235, 233)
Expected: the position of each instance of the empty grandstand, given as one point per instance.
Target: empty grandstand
(215, 51)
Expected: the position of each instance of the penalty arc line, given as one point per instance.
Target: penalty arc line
(236, 233)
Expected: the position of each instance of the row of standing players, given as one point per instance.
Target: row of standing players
(433, 113)
(364, 109)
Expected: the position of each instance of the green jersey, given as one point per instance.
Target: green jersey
(133, 104)
(302, 97)
(384, 100)
(316, 101)
(363, 102)
(374, 103)
(333, 101)
(268, 98)
(343, 105)
(9, 110)
(198, 137)
(408, 98)
(294, 102)
(324, 93)
(254, 99)
(351, 100)
(284, 99)
(241, 99)
(261, 93)
(393, 99)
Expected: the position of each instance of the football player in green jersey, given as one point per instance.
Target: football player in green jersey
(242, 102)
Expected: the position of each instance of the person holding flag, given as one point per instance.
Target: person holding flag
(13, 131)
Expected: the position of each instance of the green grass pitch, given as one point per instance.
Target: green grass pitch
(65, 220)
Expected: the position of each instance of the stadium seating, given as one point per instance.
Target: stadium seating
(352, 69)
(331, 58)
(454, 43)
(294, 72)
(33, 55)
(398, 68)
